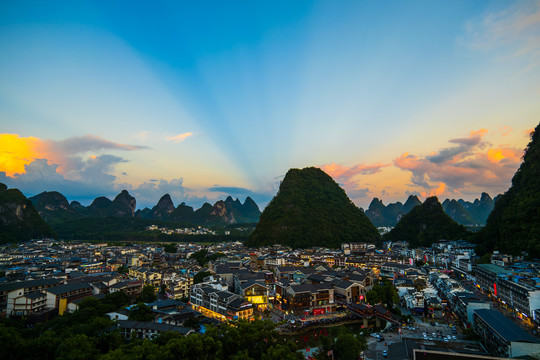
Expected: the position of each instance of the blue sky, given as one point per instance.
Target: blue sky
(203, 99)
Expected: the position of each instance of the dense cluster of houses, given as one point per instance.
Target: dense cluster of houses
(46, 278)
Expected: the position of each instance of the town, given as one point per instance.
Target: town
(438, 300)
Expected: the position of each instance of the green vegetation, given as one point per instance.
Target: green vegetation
(112, 229)
(383, 293)
(310, 209)
(88, 334)
(344, 341)
(170, 248)
(20, 220)
(514, 224)
(141, 313)
(148, 294)
(203, 258)
(426, 224)
(198, 278)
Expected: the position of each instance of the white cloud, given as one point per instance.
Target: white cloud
(180, 137)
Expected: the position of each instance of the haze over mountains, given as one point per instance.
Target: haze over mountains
(53, 206)
(461, 211)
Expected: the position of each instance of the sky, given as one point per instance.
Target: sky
(205, 99)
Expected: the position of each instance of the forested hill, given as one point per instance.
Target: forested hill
(311, 209)
(19, 220)
(514, 224)
(426, 224)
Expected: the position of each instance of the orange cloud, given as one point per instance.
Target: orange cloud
(497, 155)
(16, 152)
(480, 132)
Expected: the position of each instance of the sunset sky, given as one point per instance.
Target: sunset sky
(204, 99)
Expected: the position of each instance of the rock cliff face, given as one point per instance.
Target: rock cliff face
(311, 209)
(123, 205)
(163, 208)
(19, 219)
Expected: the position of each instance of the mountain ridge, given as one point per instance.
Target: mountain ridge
(53, 206)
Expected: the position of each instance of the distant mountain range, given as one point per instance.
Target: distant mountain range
(461, 211)
(54, 207)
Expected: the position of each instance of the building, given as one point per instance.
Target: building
(58, 297)
(501, 336)
(465, 304)
(26, 286)
(219, 304)
(19, 303)
(256, 293)
(349, 292)
(316, 299)
(487, 276)
(147, 276)
(131, 288)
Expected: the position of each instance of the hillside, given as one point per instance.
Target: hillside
(19, 219)
(310, 209)
(426, 224)
(514, 224)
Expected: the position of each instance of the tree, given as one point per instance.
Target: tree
(122, 269)
(170, 248)
(148, 294)
(200, 256)
(199, 277)
(141, 313)
(349, 346)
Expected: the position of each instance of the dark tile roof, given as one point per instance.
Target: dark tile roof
(166, 303)
(344, 284)
(505, 327)
(250, 283)
(62, 289)
(35, 295)
(28, 284)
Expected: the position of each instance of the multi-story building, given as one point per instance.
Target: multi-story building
(19, 303)
(487, 276)
(464, 304)
(501, 336)
(521, 297)
(313, 298)
(256, 293)
(147, 276)
(26, 286)
(131, 288)
(58, 297)
(219, 304)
